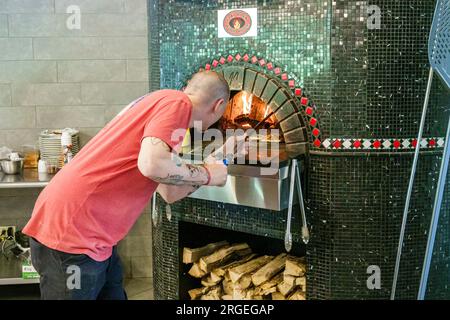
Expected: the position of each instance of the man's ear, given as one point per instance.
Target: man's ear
(218, 105)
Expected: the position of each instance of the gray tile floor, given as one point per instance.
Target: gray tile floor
(137, 289)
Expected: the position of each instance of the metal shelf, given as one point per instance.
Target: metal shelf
(12, 281)
(29, 178)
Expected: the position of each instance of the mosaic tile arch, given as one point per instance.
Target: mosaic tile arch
(279, 89)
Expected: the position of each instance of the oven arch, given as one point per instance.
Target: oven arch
(279, 89)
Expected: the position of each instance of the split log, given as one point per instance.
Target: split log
(220, 257)
(193, 255)
(289, 279)
(198, 292)
(295, 266)
(266, 287)
(297, 295)
(277, 296)
(244, 282)
(208, 282)
(266, 291)
(220, 271)
(240, 294)
(301, 282)
(227, 287)
(237, 272)
(196, 272)
(285, 288)
(213, 294)
(269, 270)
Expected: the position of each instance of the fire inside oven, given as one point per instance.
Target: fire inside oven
(249, 113)
(246, 111)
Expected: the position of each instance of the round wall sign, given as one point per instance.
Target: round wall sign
(237, 23)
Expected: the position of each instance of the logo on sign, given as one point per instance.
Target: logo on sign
(234, 23)
(237, 23)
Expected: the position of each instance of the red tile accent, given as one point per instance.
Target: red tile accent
(357, 143)
(432, 143)
(316, 132)
(254, 59)
(292, 83)
(376, 144)
(298, 91)
(284, 77)
(246, 57)
(238, 57)
(414, 143)
(397, 144)
(222, 60)
(309, 111)
(304, 101)
(317, 143)
(230, 58)
(208, 67)
(269, 66)
(277, 71)
(313, 122)
(262, 62)
(337, 144)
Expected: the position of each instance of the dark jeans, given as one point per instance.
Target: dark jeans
(76, 276)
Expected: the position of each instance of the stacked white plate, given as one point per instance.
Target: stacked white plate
(50, 145)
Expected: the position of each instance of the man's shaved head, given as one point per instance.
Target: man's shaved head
(209, 85)
(209, 93)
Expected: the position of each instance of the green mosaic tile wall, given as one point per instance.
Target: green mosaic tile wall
(365, 84)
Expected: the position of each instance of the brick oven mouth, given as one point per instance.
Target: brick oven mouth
(258, 99)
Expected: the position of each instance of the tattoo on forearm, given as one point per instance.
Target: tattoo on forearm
(196, 176)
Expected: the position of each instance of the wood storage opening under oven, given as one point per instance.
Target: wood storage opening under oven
(219, 264)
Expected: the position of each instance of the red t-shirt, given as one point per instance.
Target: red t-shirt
(93, 202)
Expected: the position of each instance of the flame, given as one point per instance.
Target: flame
(247, 102)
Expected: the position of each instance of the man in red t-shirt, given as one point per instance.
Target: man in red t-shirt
(93, 202)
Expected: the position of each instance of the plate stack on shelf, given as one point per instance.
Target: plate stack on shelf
(50, 145)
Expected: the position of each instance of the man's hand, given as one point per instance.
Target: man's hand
(219, 174)
(234, 147)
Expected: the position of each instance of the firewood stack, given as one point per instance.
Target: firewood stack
(234, 272)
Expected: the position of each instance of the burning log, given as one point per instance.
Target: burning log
(193, 255)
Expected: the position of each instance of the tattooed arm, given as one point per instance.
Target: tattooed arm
(157, 162)
(171, 193)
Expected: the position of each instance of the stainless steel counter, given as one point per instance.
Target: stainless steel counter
(29, 178)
